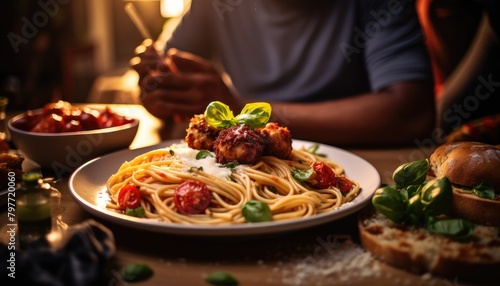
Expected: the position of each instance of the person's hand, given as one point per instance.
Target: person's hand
(147, 60)
(187, 91)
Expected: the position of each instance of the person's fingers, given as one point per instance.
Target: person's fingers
(146, 47)
(167, 104)
(167, 80)
(188, 62)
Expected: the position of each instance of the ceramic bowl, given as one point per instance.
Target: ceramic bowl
(64, 152)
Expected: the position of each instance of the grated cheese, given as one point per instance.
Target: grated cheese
(345, 260)
(208, 164)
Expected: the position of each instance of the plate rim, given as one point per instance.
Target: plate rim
(261, 228)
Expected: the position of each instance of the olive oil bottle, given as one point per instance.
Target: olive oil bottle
(33, 210)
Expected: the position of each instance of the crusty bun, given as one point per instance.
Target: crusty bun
(416, 250)
(467, 163)
(476, 209)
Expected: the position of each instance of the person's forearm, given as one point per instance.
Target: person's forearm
(399, 115)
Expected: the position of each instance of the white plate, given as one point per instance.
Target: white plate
(88, 187)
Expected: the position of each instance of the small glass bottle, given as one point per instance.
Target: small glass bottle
(33, 210)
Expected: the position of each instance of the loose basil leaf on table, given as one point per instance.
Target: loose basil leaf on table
(221, 278)
(136, 272)
(412, 173)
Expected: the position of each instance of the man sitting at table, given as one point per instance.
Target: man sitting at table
(337, 72)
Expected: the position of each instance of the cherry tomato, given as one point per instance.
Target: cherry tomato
(109, 119)
(88, 121)
(49, 124)
(58, 117)
(27, 121)
(191, 197)
(323, 177)
(344, 184)
(129, 197)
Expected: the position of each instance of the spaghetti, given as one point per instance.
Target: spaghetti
(158, 173)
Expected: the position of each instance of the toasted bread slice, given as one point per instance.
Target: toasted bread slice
(416, 250)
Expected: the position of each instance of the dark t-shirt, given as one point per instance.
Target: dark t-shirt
(299, 50)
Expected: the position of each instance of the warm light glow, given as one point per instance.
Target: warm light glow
(171, 8)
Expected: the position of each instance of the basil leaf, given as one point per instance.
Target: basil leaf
(219, 115)
(137, 212)
(412, 173)
(415, 210)
(257, 211)
(484, 190)
(436, 197)
(314, 150)
(391, 202)
(231, 165)
(221, 278)
(455, 228)
(301, 175)
(413, 190)
(254, 115)
(136, 272)
(203, 154)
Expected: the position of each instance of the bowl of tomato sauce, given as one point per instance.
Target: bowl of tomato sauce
(62, 137)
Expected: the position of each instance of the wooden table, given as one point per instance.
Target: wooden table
(321, 255)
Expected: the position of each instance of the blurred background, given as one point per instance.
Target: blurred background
(79, 50)
(75, 50)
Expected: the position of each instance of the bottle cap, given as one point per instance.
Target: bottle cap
(31, 178)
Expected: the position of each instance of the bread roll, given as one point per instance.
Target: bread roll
(467, 163)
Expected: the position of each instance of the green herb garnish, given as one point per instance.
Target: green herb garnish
(414, 201)
(484, 191)
(254, 115)
(257, 211)
(301, 175)
(136, 271)
(231, 165)
(313, 149)
(413, 173)
(137, 212)
(221, 278)
(203, 154)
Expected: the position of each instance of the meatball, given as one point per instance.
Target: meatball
(200, 135)
(278, 140)
(238, 143)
